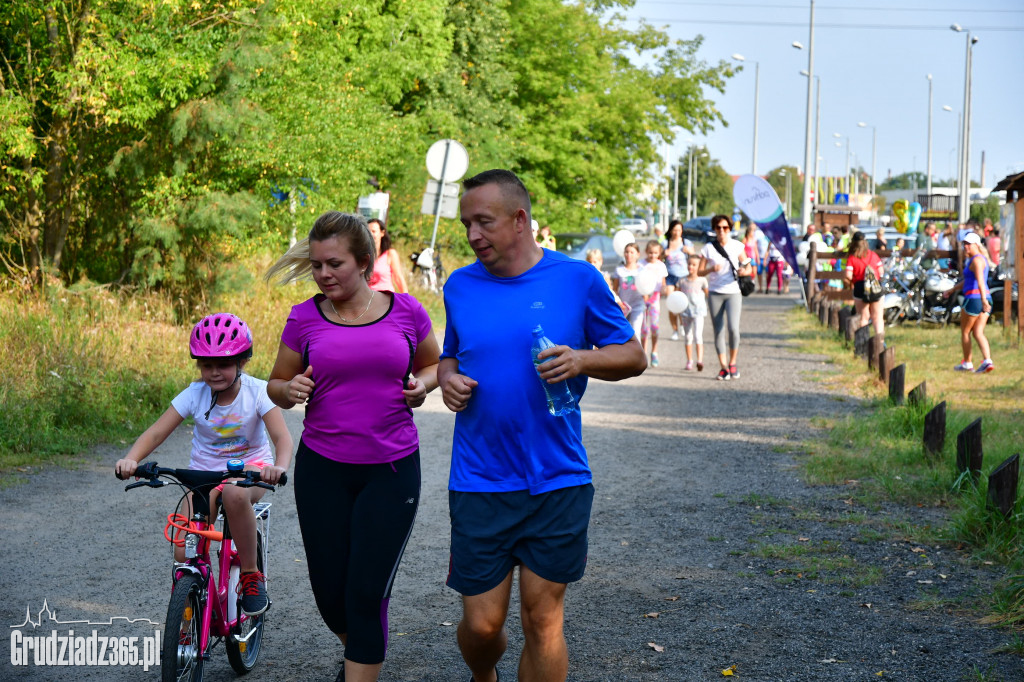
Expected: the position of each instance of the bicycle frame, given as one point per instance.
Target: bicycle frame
(217, 617)
(212, 605)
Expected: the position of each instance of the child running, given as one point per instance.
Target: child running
(655, 265)
(230, 410)
(696, 290)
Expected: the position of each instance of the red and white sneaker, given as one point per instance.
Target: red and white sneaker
(985, 367)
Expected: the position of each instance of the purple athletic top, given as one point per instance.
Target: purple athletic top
(357, 413)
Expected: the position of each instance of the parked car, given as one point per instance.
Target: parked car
(635, 225)
(697, 228)
(576, 244)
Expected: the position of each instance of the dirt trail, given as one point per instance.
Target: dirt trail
(695, 492)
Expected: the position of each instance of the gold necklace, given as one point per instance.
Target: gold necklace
(357, 316)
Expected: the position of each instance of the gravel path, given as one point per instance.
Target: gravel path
(704, 542)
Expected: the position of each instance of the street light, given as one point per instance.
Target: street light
(874, 139)
(839, 144)
(789, 192)
(965, 135)
(805, 211)
(817, 132)
(702, 155)
(757, 85)
(929, 171)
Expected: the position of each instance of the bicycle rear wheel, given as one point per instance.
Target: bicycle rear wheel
(242, 655)
(181, 658)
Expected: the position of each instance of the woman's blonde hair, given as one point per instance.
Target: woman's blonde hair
(295, 265)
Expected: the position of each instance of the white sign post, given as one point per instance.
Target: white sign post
(447, 162)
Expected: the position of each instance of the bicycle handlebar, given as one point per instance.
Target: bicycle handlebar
(193, 478)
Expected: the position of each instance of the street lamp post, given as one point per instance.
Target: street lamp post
(806, 203)
(874, 139)
(757, 86)
(696, 166)
(965, 135)
(929, 170)
(789, 192)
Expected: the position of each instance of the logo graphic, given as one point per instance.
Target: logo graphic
(93, 649)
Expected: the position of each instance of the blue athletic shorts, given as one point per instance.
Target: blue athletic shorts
(493, 532)
(972, 306)
(672, 280)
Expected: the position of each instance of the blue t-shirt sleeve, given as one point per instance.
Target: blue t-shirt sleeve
(604, 323)
(450, 348)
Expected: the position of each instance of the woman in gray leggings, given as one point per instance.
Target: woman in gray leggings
(726, 302)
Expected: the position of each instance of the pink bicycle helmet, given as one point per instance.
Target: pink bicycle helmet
(221, 335)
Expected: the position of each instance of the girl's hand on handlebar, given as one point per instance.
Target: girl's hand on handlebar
(271, 474)
(301, 386)
(125, 468)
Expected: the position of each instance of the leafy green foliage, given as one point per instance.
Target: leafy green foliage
(713, 185)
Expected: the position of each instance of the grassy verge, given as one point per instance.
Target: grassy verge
(92, 365)
(878, 451)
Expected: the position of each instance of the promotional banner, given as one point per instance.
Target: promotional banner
(758, 200)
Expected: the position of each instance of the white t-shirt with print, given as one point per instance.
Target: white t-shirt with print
(723, 281)
(234, 431)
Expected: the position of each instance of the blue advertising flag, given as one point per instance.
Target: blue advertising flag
(758, 200)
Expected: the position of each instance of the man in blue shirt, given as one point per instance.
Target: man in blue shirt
(520, 489)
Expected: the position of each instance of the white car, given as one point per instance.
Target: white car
(634, 225)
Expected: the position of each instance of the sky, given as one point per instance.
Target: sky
(873, 62)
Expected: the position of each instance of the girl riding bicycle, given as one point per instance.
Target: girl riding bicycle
(230, 410)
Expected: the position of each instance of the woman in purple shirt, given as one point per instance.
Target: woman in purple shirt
(359, 360)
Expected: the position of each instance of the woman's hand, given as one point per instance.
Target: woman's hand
(415, 392)
(301, 385)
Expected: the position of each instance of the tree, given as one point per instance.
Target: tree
(714, 185)
(987, 209)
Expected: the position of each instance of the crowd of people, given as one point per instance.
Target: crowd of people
(361, 355)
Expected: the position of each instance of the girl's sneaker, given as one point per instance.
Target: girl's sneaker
(654, 359)
(985, 367)
(700, 366)
(723, 375)
(964, 367)
(734, 372)
(675, 336)
(689, 367)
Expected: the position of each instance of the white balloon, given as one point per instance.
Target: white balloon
(677, 302)
(622, 239)
(645, 282)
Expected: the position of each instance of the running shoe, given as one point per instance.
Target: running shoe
(723, 375)
(253, 588)
(985, 367)
(964, 367)
(689, 367)
(654, 359)
(700, 366)
(675, 336)
(734, 372)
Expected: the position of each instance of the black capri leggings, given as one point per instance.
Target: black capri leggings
(355, 521)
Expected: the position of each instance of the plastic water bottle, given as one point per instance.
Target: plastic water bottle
(560, 400)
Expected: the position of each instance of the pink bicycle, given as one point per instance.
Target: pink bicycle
(204, 609)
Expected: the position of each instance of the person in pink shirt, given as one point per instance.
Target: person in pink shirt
(387, 268)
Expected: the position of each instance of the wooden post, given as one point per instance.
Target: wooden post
(969, 453)
(812, 267)
(833, 317)
(897, 376)
(845, 315)
(823, 311)
(875, 344)
(861, 337)
(886, 361)
(1002, 485)
(935, 430)
(919, 394)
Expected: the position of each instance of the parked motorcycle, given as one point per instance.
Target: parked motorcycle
(918, 294)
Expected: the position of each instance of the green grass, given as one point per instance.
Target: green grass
(876, 451)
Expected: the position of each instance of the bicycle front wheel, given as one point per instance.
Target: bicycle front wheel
(182, 659)
(245, 644)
